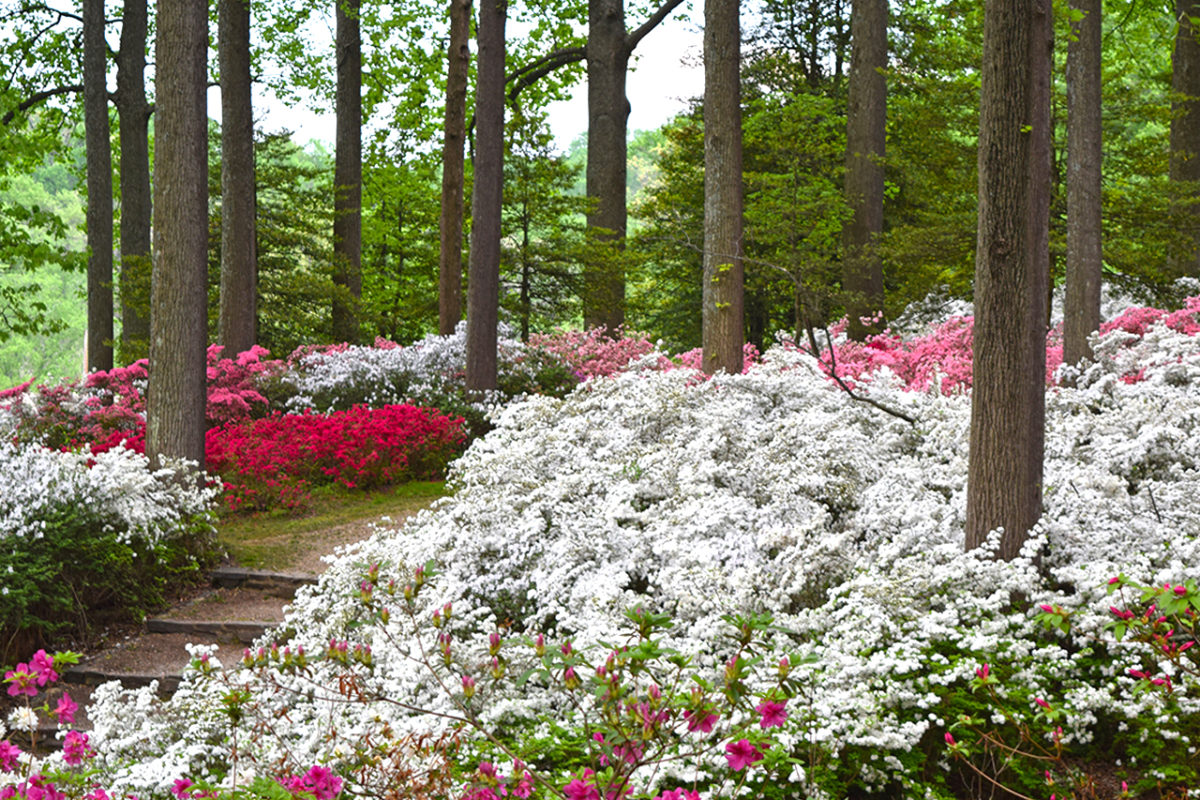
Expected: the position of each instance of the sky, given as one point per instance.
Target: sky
(664, 74)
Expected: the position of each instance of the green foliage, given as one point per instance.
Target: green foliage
(77, 576)
(295, 227)
(542, 230)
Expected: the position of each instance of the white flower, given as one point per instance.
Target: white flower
(22, 718)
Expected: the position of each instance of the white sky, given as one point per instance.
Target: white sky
(664, 74)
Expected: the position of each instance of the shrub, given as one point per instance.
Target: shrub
(87, 542)
(428, 373)
(273, 461)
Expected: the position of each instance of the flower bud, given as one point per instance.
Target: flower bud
(785, 666)
(539, 645)
(468, 684)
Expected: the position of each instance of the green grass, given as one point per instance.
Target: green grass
(278, 540)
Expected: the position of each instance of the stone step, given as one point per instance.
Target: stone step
(280, 584)
(243, 632)
(140, 660)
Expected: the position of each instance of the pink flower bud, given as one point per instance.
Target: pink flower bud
(1181, 590)
(950, 739)
(468, 684)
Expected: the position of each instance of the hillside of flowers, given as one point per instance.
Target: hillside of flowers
(667, 587)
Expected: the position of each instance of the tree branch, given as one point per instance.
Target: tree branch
(635, 38)
(537, 69)
(39, 97)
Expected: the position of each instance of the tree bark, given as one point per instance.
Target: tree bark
(178, 319)
(347, 175)
(1004, 482)
(237, 329)
(723, 296)
(99, 188)
(608, 115)
(483, 280)
(1084, 254)
(866, 126)
(1184, 168)
(453, 142)
(133, 116)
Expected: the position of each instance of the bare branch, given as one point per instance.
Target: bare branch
(537, 69)
(39, 97)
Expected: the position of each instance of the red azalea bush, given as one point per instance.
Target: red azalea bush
(273, 461)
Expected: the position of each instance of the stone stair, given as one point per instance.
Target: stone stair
(241, 606)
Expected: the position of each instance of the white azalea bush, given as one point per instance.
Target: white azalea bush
(828, 531)
(85, 536)
(429, 372)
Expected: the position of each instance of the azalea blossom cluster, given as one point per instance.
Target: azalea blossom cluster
(272, 461)
(63, 773)
(108, 408)
(430, 372)
(134, 501)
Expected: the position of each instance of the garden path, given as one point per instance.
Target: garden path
(239, 606)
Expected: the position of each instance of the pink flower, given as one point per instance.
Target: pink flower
(582, 789)
(65, 710)
(741, 754)
(76, 748)
(773, 714)
(700, 721)
(8, 755)
(322, 783)
(180, 789)
(21, 681)
(43, 665)
(982, 672)
(950, 739)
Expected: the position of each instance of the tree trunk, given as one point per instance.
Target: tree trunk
(178, 319)
(608, 114)
(866, 121)
(347, 175)
(1084, 264)
(1184, 169)
(483, 280)
(450, 262)
(133, 115)
(236, 326)
(723, 307)
(99, 189)
(1004, 483)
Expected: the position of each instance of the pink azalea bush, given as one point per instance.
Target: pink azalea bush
(108, 407)
(593, 353)
(944, 354)
(275, 460)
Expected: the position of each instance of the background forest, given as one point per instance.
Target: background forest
(795, 60)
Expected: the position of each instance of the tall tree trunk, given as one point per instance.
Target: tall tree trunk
(1184, 169)
(608, 114)
(133, 115)
(347, 175)
(99, 186)
(723, 306)
(454, 139)
(866, 121)
(483, 279)
(1004, 482)
(178, 318)
(1084, 264)
(236, 326)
